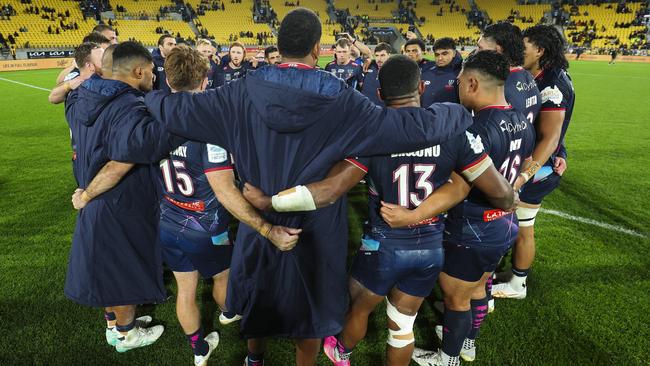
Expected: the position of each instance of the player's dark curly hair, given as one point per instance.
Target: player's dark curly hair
(548, 38)
(299, 32)
(416, 41)
(445, 43)
(489, 63)
(508, 36)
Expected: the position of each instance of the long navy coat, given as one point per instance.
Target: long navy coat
(115, 258)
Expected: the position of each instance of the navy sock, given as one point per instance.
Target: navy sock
(199, 346)
(229, 314)
(109, 316)
(479, 312)
(255, 359)
(455, 328)
(488, 288)
(125, 328)
(520, 272)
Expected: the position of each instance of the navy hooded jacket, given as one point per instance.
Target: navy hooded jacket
(115, 259)
(441, 84)
(287, 126)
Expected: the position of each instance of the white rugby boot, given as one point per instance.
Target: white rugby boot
(433, 358)
(213, 342)
(224, 320)
(468, 352)
(509, 290)
(112, 335)
(139, 337)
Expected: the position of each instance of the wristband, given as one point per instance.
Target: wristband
(297, 198)
(265, 230)
(66, 87)
(530, 169)
(86, 197)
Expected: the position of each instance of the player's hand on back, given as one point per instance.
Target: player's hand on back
(396, 215)
(284, 238)
(257, 198)
(560, 165)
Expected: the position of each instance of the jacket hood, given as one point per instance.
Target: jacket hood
(292, 99)
(94, 94)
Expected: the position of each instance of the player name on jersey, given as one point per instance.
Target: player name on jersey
(429, 152)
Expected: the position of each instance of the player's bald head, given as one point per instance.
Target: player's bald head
(299, 33)
(107, 61)
(129, 55)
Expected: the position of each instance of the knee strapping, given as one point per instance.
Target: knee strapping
(404, 336)
(526, 216)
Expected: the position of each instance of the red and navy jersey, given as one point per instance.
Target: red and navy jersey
(522, 93)
(351, 73)
(508, 138)
(188, 200)
(212, 74)
(226, 73)
(557, 94)
(407, 179)
(371, 84)
(440, 84)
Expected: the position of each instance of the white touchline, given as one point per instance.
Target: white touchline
(27, 85)
(585, 220)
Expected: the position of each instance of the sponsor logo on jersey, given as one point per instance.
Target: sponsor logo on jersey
(491, 215)
(512, 127)
(216, 154)
(531, 101)
(522, 86)
(475, 142)
(552, 94)
(429, 152)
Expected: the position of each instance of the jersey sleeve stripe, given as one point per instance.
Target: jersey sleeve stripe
(552, 109)
(230, 167)
(474, 170)
(357, 164)
(475, 162)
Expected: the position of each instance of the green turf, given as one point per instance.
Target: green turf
(590, 288)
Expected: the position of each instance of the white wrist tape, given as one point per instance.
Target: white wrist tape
(297, 198)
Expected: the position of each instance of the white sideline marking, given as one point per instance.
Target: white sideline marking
(585, 220)
(616, 76)
(27, 85)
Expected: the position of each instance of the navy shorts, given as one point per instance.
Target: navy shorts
(410, 262)
(188, 251)
(469, 263)
(542, 184)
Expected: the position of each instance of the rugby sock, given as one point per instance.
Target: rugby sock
(479, 312)
(124, 329)
(455, 328)
(111, 319)
(518, 281)
(229, 314)
(199, 346)
(344, 352)
(254, 359)
(488, 288)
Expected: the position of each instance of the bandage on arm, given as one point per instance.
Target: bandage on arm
(297, 198)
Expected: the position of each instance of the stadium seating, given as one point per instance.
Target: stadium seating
(374, 10)
(36, 34)
(607, 18)
(140, 7)
(511, 10)
(450, 24)
(235, 19)
(145, 30)
(318, 6)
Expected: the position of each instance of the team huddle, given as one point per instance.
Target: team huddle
(169, 148)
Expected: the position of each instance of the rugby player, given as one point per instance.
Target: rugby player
(205, 47)
(477, 234)
(344, 66)
(234, 66)
(401, 264)
(285, 125)
(106, 31)
(272, 56)
(371, 77)
(71, 79)
(442, 87)
(115, 262)
(414, 49)
(107, 62)
(520, 89)
(544, 58)
(166, 44)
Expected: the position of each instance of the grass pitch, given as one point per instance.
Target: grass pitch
(589, 290)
